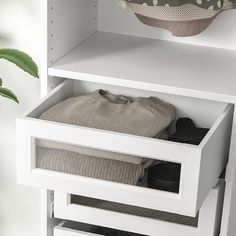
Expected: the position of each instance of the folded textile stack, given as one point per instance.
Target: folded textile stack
(181, 17)
(147, 117)
(88, 166)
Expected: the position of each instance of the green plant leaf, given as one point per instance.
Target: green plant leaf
(20, 59)
(0, 82)
(4, 92)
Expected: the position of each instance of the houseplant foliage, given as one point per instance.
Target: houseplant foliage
(24, 62)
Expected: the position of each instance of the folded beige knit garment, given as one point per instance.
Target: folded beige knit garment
(147, 117)
(94, 167)
(97, 152)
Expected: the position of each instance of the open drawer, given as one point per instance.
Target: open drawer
(201, 165)
(207, 223)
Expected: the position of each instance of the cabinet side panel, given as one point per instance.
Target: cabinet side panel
(71, 22)
(65, 24)
(44, 47)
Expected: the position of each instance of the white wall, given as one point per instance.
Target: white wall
(19, 28)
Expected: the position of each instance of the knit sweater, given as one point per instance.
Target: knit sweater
(88, 166)
(147, 117)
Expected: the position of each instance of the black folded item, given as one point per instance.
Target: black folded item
(165, 176)
(187, 132)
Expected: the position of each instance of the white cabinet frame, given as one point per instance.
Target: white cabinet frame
(228, 227)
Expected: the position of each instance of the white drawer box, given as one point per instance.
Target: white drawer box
(63, 229)
(66, 228)
(200, 165)
(208, 218)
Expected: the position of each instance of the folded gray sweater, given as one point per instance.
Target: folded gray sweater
(147, 117)
(94, 167)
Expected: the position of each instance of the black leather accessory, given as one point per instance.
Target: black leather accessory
(187, 132)
(165, 176)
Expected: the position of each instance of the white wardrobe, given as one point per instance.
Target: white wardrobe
(95, 44)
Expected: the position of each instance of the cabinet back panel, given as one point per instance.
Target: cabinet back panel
(70, 23)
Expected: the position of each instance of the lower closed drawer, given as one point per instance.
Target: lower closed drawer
(74, 229)
(69, 228)
(136, 220)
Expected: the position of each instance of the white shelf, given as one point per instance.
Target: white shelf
(154, 65)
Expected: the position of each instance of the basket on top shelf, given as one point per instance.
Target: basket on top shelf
(181, 17)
